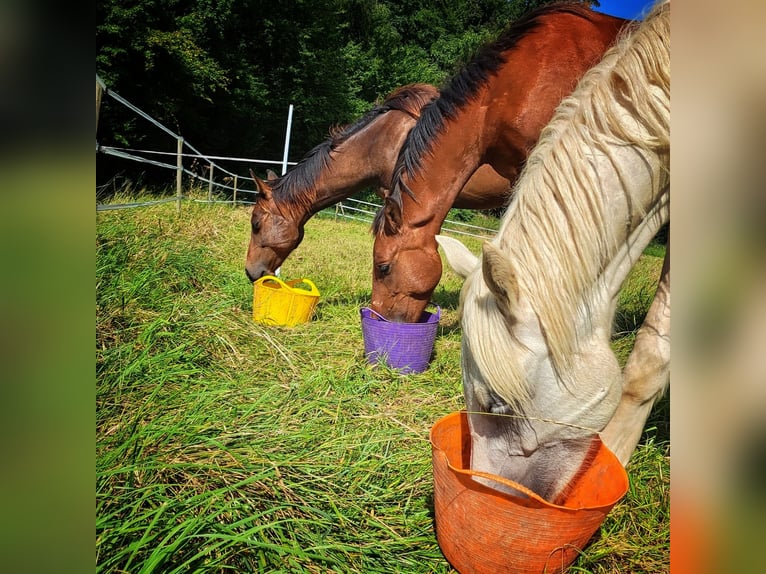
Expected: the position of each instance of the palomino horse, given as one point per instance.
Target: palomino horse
(491, 112)
(359, 155)
(539, 376)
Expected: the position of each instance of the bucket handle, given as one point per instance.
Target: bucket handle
(312, 288)
(291, 284)
(499, 479)
(438, 309)
(271, 279)
(379, 317)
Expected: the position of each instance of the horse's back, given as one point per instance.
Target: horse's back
(536, 75)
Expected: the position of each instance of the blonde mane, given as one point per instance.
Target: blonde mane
(554, 231)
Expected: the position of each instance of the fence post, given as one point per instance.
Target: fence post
(99, 92)
(234, 203)
(210, 183)
(287, 139)
(179, 174)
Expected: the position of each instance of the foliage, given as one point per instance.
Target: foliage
(223, 445)
(222, 74)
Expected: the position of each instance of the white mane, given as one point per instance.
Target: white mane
(554, 231)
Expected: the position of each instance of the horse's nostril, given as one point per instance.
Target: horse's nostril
(249, 276)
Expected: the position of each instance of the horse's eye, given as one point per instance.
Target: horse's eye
(384, 268)
(256, 226)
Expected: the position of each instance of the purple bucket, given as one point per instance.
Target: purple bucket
(403, 346)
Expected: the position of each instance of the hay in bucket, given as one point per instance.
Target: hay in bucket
(482, 530)
(406, 347)
(284, 303)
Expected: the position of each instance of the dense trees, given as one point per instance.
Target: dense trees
(223, 72)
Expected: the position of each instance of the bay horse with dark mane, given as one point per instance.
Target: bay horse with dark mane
(354, 157)
(492, 113)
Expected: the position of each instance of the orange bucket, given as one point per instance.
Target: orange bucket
(483, 530)
(277, 302)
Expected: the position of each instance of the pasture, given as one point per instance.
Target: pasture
(223, 445)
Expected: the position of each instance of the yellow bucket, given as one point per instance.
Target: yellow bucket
(276, 302)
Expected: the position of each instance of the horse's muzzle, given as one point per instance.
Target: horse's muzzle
(254, 276)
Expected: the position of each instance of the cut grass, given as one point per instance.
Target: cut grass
(223, 445)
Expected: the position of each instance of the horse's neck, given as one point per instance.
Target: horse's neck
(623, 261)
(486, 189)
(587, 269)
(364, 159)
(464, 167)
(638, 208)
(443, 174)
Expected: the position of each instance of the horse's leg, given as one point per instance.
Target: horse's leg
(646, 373)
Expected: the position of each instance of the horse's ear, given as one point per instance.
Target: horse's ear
(500, 278)
(261, 186)
(392, 212)
(462, 261)
(271, 175)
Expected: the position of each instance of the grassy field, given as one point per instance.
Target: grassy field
(223, 445)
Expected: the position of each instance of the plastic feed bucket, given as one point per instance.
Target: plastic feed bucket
(286, 303)
(485, 531)
(406, 347)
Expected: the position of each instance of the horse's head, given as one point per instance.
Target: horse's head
(532, 418)
(406, 265)
(274, 233)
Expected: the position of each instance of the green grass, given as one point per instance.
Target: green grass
(226, 446)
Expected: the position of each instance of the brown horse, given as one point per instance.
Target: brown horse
(492, 112)
(359, 155)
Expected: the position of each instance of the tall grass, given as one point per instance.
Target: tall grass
(223, 445)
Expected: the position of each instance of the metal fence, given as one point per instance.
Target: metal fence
(237, 188)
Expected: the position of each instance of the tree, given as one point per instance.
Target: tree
(223, 73)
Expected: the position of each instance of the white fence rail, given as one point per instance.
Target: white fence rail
(365, 211)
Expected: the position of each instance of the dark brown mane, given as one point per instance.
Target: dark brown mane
(292, 187)
(461, 89)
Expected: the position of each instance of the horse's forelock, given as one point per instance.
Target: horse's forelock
(378, 222)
